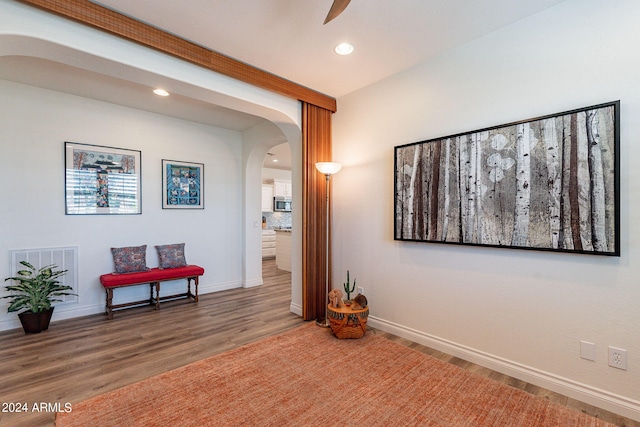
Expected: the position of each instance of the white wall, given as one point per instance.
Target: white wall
(53, 118)
(28, 31)
(35, 124)
(520, 312)
(269, 174)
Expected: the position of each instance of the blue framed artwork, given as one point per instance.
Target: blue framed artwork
(102, 180)
(182, 185)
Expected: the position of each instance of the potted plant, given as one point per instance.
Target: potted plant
(35, 290)
(349, 288)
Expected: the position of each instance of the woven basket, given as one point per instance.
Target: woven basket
(348, 325)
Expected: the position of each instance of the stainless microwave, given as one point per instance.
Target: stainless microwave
(281, 204)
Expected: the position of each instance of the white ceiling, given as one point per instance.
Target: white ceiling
(287, 37)
(73, 80)
(278, 157)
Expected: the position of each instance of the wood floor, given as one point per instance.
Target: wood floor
(80, 358)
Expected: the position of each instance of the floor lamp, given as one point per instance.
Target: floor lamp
(327, 169)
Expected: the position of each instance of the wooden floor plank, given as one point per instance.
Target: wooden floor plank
(80, 358)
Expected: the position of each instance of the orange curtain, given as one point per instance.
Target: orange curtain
(316, 147)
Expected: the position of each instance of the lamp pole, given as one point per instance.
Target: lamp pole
(328, 169)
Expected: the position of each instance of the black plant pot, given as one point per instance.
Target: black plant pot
(34, 323)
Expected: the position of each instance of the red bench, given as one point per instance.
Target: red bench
(153, 277)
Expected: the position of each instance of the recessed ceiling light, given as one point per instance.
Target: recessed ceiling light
(161, 92)
(344, 49)
(275, 160)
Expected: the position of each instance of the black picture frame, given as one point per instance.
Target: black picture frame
(182, 185)
(549, 183)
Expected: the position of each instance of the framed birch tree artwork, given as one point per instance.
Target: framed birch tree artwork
(550, 183)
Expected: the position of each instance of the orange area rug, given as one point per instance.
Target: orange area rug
(307, 377)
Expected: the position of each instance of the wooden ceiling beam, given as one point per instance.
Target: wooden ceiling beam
(116, 23)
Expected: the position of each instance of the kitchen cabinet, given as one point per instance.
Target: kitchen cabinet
(268, 244)
(283, 250)
(267, 198)
(282, 188)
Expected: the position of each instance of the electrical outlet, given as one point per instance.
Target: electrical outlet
(618, 358)
(360, 290)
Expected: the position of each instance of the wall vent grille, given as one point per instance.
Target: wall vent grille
(64, 258)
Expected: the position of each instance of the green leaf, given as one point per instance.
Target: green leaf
(26, 264)
(35, 289)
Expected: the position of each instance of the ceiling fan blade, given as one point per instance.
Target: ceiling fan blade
(337, 8)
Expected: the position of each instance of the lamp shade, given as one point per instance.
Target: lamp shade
(328, 168)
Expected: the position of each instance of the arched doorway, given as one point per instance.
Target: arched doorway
(277, 206)
(258, 141)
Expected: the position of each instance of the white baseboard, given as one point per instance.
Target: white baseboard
(61, 312)
(295, 309)
(603, 399)
(252, 283)
(7, 325)
(72, 310)
(206, 289)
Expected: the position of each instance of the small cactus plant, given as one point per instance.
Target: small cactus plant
(347, 288)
